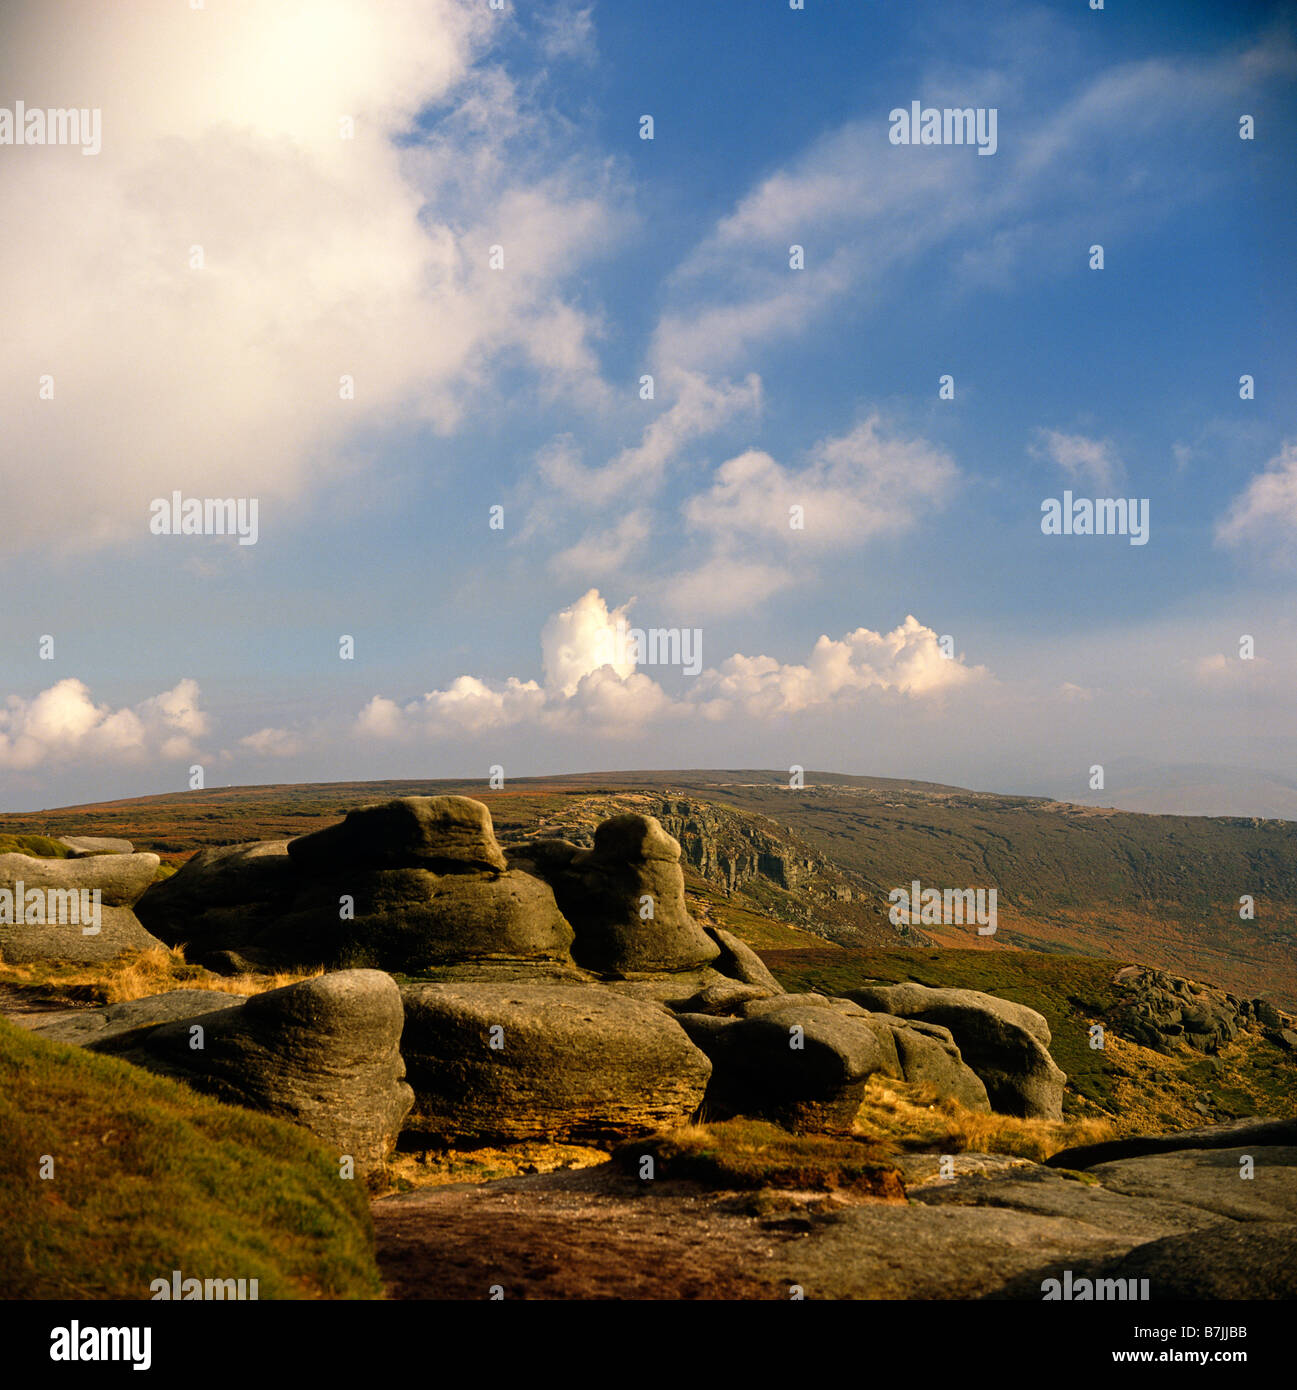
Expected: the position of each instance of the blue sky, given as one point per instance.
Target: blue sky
(519, 387)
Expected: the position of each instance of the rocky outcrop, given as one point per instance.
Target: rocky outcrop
(45, 927)
(408, 886)
(802, 1060)
(569, 992)
(492, 1062)
(1161, 1011)
(322, 1053)
(1006, 1044)
(625, 899)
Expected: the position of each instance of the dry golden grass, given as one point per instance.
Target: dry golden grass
(438, 1168)
(136, 975)
(914, 1117)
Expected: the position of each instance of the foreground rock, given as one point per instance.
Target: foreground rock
(322, 1053)
(1006, 1044)
(1003, 1229)
(505, 1062)
(119, 880)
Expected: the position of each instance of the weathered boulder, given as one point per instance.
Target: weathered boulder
(408, 886)
(505, 1062)
(95, 844)
(55, 919)
(438, 833)
(222, 898)
(322, 1053)
(625, 899)
(411, 920)
(789, 1059)
(739, 961)
(1006, 1044)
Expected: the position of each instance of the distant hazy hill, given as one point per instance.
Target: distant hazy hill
(789, 867)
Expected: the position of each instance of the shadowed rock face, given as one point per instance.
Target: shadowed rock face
(504, 1062)
(322, 1053)
(625, 899)
(120, 879)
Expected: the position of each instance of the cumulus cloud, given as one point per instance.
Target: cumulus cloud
(1091, 462)
(855, 486)
(866, 483)
(64, 722)
(592, 683)
(322, 257)
(1264, 515)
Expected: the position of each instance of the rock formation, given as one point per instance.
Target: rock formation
(568, 993)
(119, 880)
(322, 1053)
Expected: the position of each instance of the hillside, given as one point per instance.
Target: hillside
(791, 867)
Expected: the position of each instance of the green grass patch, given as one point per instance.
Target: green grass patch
(149, 1177)
(36, 846)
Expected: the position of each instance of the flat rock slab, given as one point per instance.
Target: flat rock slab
(1226, 1136)
(938, 1252)
(1256, 1260)
(81, 1026)
(1209, 1180)
(96, 844)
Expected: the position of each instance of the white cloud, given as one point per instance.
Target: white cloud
(64, 723)
(907, 660)
(700, 406)
(274, 743)
(855, 486)
(579, 640)
(584, 690)
(322, 256)
(603, 550)
(1090, 462)
(1264, 515)
(865, 210)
